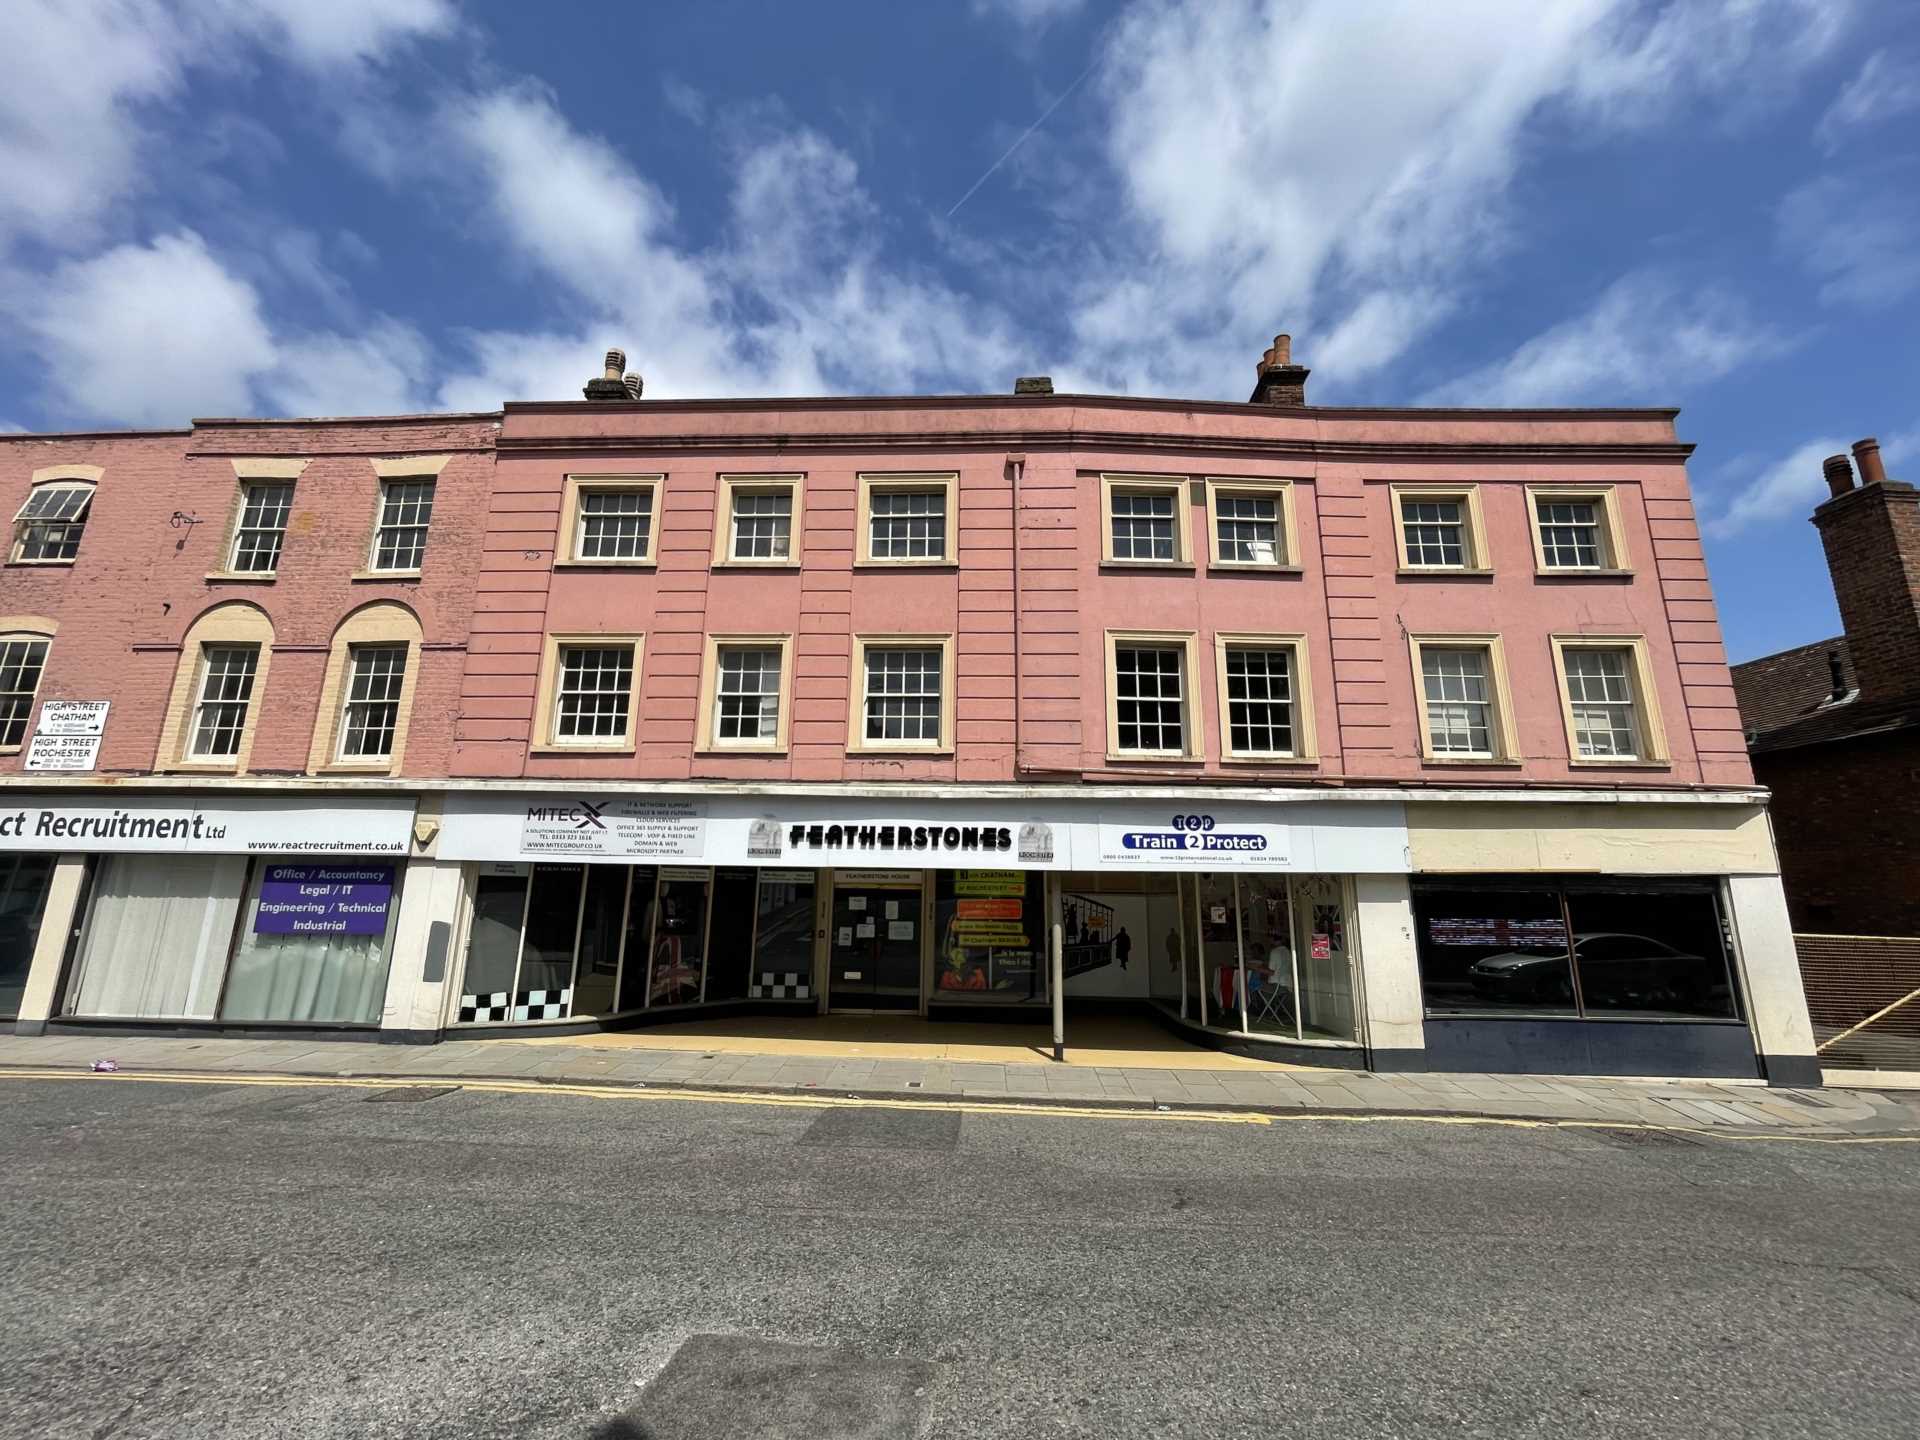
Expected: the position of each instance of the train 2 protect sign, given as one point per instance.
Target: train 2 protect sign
(1194, 841)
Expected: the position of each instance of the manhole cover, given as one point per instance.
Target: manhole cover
(1643, 1139)
(723, 1387)
(858, 1128)
(405, 1093)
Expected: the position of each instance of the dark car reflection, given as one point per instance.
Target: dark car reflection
(1617, 971)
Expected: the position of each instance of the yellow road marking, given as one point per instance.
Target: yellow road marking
(965, 1107)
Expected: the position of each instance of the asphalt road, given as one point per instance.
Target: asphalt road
(240, 1261)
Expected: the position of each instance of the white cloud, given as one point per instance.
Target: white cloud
(1647, 336)
(1032, 14)
(1790, 486)
(149, 334)
(1885, 89)
(76, 77)
(1286, 163)
(1855, 233)
(383, 369)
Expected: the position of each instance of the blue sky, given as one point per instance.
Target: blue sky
(218, 207)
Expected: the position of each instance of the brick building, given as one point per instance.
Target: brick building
(1399, 738)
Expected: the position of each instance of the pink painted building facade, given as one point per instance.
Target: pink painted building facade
(1387, 738)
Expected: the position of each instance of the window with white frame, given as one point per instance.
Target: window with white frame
(593, 694)
(1436, 532)
(1150, 697)
(746, 701)
(262, 528)
(406, 510)
(1145, 524)
(614, 524)
(370, 717)
(22, 659)
(761, 525)
(1600, 700)
(1261, 696)
(903, 699)
(907, 524)
(1247, 529)
(48, 527)
(1457, 683)
(226, 694)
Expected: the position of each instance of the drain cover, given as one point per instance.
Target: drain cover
(405, 1093)
(722, 1387)
(855, 1128)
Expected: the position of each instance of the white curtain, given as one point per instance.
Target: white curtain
(158, 936)
(320, 978)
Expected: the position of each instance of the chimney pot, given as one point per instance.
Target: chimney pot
(1033, 385)
(635, 385)
(1866, 454)
(1839, 474)
(1837, 674)
(616, 362)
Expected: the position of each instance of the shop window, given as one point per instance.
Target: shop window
(400, 537)
(1485, 950)
(48, 527)
(24, 881)
(1440, 529)
(1462, 699)
(260, 529)
(760, 520)
(906, 519)
(1145, 520)
(783, 936)
(1592, 951)
(1264, 708)
(1147, 697)
(1576, 531)
(589, 692)
(493, 941)
(1607, 700)
(1653, 954)
(1323, 964)
(730, 943)
(992, 936)
(596, 976)
(23, 659)
(905, 699)
(314, 944)
(643, 894)
(609, 519)
(157, 934)
(1251, 525)
(680, 938)
(544, 990)
(742, 694)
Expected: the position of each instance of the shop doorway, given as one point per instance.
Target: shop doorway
(874, 942)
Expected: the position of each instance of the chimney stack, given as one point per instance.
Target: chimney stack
(1871, 534)
(1033, 385)
(1279, 381)
(609, 385)
(1838, 472)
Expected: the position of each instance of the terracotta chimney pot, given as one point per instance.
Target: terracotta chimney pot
(1839, 474)
(1866, 454)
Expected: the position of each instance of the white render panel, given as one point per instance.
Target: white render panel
(430, 892)
(1390, 965)
(1776, 998)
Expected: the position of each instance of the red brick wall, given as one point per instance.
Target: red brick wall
(1848, 833)
(140, 579)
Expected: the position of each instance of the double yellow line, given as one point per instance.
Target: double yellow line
(816, 1101)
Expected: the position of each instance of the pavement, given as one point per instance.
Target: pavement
(219, 1258)
(1273, 1090)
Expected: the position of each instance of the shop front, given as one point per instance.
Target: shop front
(596, 908)
(245, 910)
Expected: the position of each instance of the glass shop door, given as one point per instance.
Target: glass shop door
(873, 946)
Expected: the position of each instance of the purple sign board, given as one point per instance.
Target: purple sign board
(342, 898)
